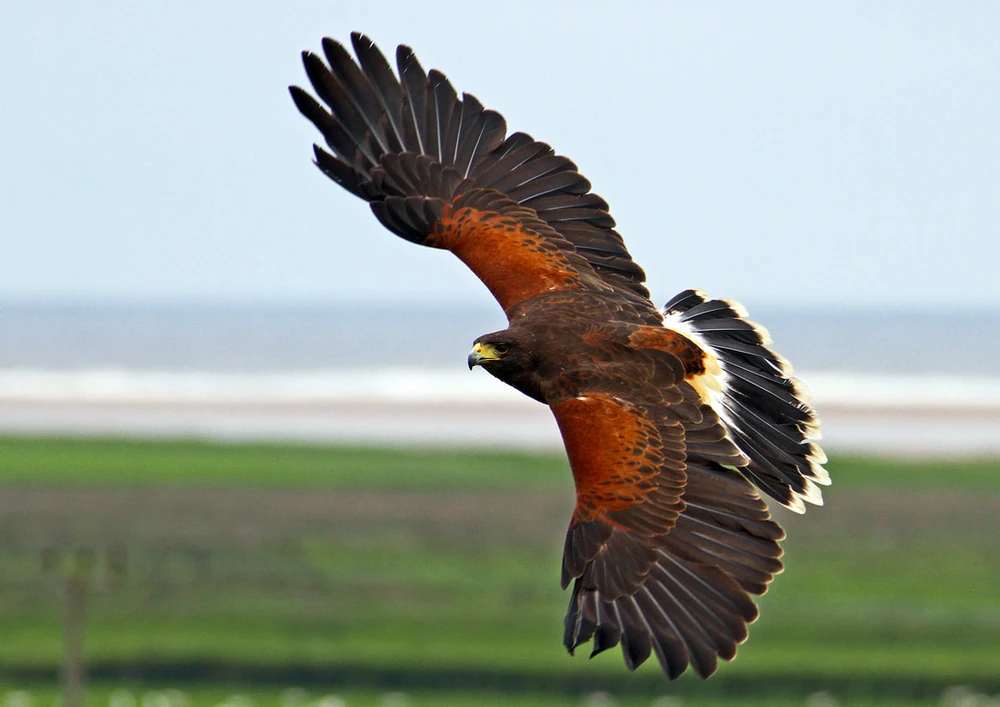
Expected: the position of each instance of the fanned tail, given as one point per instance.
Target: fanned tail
(764, 407)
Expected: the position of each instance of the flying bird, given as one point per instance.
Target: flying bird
(670, 417)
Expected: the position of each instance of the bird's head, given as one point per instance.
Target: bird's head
(508, 355)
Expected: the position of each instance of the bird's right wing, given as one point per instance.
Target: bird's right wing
(440, 170)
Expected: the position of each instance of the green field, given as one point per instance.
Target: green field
(251, 568)
(213, 695)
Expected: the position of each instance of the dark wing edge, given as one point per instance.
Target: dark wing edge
(694, 603)
(672, 572)
(765, 409)
(409, 144)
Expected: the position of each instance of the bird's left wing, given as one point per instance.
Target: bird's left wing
(441, 171)
(667, 541)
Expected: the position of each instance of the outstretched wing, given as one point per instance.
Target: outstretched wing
(441, 171)
(668, 541)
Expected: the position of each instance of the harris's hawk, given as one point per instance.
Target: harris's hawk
(667, 415)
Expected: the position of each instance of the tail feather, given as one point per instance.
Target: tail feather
(764, 408)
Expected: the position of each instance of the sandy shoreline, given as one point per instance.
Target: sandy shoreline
(904, 430)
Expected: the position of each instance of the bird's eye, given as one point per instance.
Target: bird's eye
(501, 349)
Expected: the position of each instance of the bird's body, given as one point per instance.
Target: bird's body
(666, 415)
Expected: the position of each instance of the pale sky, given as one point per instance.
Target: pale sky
(833, 153)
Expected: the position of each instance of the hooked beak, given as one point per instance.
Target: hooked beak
(481, 353)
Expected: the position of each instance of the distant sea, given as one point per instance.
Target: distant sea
(262, 338)
(64, 351)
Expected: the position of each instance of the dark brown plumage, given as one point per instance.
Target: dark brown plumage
(666, 416)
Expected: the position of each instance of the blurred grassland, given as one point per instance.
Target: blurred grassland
(96, 461)
(440, 568)
(214, 695)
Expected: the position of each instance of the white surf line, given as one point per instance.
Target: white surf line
(404, 386)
